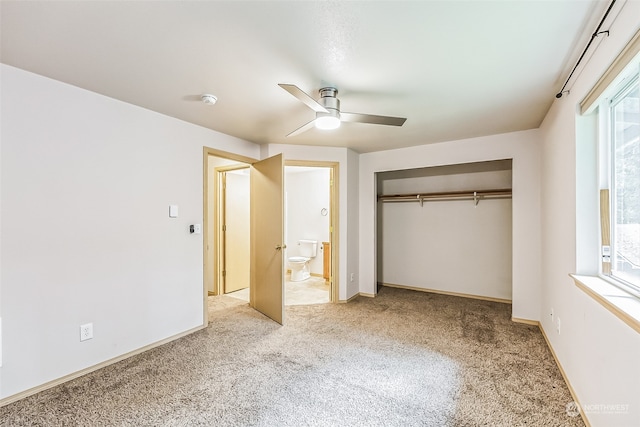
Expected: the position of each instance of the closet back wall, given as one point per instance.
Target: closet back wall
(450, 246)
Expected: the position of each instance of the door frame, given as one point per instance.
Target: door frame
(220, 206)
(334, 236)
(209, 274)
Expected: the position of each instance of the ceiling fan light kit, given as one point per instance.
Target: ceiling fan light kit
(328, 114)
(327, 122)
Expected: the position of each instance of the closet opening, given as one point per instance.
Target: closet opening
(447, 229)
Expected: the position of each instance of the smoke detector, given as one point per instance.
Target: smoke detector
(209, 99)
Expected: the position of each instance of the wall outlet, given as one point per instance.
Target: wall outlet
(558, 326)
(353, 275)
(86, 331)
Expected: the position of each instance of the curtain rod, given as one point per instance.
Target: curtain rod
(595, 34)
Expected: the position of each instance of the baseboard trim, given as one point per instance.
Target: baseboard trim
(555, 358)
(455, 294)
(564, 376)
(359, 294)
(50, 384)
(311, 274)
(525, 321)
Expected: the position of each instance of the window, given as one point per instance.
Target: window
(624, 183)
(608, 196)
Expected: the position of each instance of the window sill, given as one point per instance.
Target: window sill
(624, 305)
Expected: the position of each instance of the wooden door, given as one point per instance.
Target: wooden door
(267, 237)
(236, 231)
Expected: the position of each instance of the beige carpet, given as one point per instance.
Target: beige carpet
(403, 358)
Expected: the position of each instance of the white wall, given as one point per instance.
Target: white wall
(353, 230)
(523, 148)
(598, 352)
(307, 194)
(454, 246)
(348, 169)
(86, 237)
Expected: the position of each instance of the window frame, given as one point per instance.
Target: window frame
(629, 82)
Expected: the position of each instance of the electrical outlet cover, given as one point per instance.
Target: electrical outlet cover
(86, 331)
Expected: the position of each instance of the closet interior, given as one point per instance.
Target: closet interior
(447, 229)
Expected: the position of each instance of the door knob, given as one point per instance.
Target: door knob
(278, 247)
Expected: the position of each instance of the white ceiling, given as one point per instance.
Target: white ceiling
(454, 69)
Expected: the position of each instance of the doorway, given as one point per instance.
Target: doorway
(308, 226)
(266, 234)
(218, 167)
(235, 222)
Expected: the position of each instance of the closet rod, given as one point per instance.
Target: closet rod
(453, 195)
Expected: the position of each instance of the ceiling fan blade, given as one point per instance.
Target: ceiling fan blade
(302, 128)
(370, 118)
(309, 101)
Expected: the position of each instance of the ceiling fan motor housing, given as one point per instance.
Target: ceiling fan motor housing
(329, 100)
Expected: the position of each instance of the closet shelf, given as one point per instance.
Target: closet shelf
(476, 196)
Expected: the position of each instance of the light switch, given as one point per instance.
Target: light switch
(173, 211)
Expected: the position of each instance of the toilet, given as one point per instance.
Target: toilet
(300, 264)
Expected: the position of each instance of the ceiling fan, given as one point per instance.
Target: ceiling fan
(328, 115)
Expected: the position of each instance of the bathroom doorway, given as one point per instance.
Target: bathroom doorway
(310, 216)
